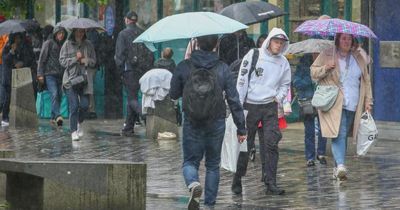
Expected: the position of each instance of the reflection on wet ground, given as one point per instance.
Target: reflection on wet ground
(374, 180)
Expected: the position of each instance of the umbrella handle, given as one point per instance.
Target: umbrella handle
(237, 43)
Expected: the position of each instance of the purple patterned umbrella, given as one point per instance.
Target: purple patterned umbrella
(330, 27)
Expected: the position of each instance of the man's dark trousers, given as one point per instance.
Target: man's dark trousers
(268, 115)
(131, 84)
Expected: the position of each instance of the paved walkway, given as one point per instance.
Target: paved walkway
(374, 180)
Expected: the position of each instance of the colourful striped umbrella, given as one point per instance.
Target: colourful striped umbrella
(330, 27)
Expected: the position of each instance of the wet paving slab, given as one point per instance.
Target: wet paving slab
(374, 180)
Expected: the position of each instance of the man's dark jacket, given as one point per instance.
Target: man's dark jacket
(123, 50)
(24, 53)
(208, 60)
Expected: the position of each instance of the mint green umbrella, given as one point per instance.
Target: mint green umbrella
(188, 25)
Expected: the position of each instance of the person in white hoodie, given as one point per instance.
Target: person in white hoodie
(260, 93)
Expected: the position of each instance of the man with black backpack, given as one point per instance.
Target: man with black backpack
(133, 60)
(201, 81)
(261, 85)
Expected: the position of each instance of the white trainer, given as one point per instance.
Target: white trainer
(75, 136)
(4, 123)
(80, 130)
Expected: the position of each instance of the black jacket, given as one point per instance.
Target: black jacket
(24, 53)
(208, 60)
(228, 47)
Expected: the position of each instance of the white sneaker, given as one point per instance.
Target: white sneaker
(75, 136)
(80, 130)
(4, 123)
(341, 172)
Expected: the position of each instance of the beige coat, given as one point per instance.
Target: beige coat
(330, 121)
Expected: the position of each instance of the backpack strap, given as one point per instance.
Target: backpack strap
(254, 60)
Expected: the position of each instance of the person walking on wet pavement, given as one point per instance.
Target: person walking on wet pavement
(305, 91)
(76, 55)
(50, 71)
(346, 68)
(259, 91)
(16, 54)
(204, 116)
(133, 60)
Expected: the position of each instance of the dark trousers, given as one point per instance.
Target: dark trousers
(271, 135)
(6, 99)
(131, 84)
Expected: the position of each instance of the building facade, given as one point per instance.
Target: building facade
(381, 16)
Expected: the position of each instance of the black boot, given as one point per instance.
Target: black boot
(274, 190)
(237, 184)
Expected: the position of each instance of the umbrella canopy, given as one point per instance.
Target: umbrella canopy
(330, 27)
(252, 12)
(309, 46)
(30, 25)
(82, 23)
(11, 26)
(189, 25)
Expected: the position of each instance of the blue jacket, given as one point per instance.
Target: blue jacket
(302, 80)
(208, 60)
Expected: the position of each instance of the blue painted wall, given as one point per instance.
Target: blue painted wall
(386, 81)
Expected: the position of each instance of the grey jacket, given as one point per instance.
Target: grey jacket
(68, 60)
(49, 63)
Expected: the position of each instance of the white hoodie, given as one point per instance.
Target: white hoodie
(271, 78)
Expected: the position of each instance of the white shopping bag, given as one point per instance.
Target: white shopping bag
(231, 146)
(367, 134)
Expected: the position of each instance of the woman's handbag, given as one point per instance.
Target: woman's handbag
(324, 97)
(79, 81)
(306, 108)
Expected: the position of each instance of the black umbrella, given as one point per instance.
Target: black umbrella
(11, 26)
(252, 12)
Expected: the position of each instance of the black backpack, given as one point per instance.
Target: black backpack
(139, 55)
(202, 96)
(235, 66)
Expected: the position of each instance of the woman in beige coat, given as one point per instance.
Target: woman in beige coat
(346, 68)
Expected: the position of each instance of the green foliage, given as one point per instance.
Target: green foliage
(8, 8)
(92, 3)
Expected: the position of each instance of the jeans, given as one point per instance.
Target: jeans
(78, 106)
(131, 84)
(269, 139)
(198, 142)
(310, 127)
(53, 84)
(339, 144)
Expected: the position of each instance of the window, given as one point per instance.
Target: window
(45, 12)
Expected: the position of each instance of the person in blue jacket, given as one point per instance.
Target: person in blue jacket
(305, 90)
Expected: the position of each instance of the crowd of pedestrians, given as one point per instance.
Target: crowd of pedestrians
(252, 79)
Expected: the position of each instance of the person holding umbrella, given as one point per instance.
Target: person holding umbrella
(305, 91)
(17, 53)
(76, 56)
(348, 69)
